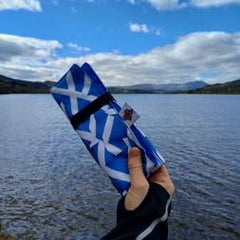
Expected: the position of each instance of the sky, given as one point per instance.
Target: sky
(126, 41)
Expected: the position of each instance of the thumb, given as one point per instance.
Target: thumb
(139, 184)
(137, 177)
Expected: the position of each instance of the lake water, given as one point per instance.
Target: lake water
(50, 187)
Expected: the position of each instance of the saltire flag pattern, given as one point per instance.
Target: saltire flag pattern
(105, 134)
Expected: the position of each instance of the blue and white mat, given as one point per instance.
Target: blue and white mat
(107, 136)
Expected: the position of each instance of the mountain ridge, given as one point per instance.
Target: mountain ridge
(11, 85)
(232, 87)
(160, 88)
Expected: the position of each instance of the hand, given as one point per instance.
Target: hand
(139, 184)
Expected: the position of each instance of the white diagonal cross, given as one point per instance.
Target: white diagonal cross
(73, 94)
(103, 144)
(72, 87)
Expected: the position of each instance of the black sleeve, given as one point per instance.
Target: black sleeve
(148, 221)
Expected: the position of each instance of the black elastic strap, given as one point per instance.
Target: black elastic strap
(90, 109)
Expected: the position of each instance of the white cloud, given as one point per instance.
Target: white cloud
(143, 28)
(15, 46)
(30, 5)
(158, 32)
(209, 56)
(78, 48)
(163, 5)
(135, 27)
(213, 3)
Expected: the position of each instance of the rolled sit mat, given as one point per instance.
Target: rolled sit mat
(96, 117)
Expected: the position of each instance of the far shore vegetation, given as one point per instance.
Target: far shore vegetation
(10, 86)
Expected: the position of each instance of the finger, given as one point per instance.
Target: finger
(139, 184)
(160, 175)
(137, 176)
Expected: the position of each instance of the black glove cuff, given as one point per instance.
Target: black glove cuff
(156, 204)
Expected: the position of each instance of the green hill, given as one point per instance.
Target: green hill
(10, 85)
(232, 87)
(159, 88)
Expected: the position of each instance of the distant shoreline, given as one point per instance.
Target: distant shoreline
(177, 93)
(15, 86)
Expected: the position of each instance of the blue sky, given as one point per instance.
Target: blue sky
(126, 41)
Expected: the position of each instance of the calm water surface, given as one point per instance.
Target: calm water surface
(50, 187)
